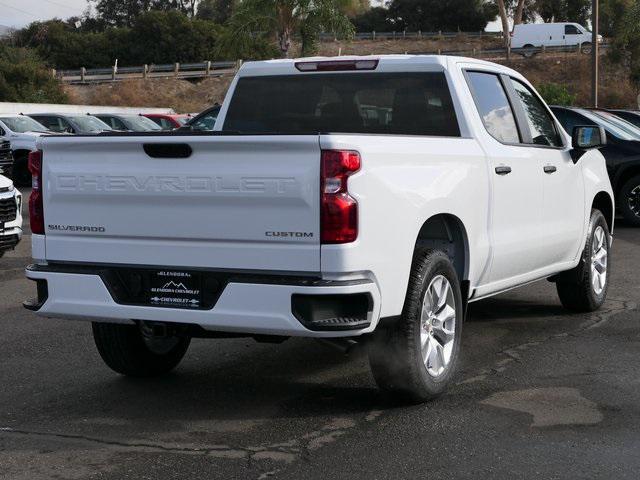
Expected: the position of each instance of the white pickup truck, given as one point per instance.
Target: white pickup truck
(348, 199)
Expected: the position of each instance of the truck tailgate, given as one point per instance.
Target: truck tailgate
(237, 202)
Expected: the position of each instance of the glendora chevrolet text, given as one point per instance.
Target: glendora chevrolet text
(347, 199)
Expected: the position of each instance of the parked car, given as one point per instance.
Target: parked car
(204, 121)
(6, 157)
(302, 215)
(129, 122)
(22, 131)
(631, 116)
(532, 35)
(10, 215)
(622, 154)
(68, 123)
(168, 121)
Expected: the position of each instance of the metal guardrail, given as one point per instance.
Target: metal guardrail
(403, 34)
(213, 69)
(117, 73)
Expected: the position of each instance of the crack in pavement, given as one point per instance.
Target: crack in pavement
(282, 452)
(595, 320)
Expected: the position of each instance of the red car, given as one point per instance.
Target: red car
(168, 121)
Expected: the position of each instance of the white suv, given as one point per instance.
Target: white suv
(10, 215)
(22, 132)
(361, 198)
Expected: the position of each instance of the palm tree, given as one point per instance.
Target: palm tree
(286, 18)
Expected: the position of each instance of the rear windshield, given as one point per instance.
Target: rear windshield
(379, 103)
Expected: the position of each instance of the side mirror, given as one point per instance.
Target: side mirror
(586, 137)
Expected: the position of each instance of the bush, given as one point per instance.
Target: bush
(25, 78)
(375, 19)
(154, 37)
(556, 94)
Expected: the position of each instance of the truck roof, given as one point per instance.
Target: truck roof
(287, 66)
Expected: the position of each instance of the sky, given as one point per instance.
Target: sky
(18, 13)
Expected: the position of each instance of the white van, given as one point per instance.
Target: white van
(528, 35)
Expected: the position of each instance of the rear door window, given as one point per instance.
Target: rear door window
(372, 103)
(494, 107)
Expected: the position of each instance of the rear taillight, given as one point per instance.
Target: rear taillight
(36, 209)
(339, 211)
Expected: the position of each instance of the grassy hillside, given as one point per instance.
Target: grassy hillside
(569, 69)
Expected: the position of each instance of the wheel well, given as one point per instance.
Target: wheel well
(624, 176)
(603, 202)
(446, 232)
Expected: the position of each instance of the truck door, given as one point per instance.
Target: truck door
(562, 182)
(516, 203)
(572, 35)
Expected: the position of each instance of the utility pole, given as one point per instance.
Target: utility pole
(595, 21)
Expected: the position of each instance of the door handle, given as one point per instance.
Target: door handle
(549, 169)
(503, 170)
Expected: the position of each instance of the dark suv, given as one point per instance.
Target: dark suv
(622, 154)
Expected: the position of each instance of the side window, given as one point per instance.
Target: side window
(65, 126)
(541, 124)
(51, 123)
(117, 124)
(571, 30)
(2, 132)
(156, 120)
(493, 106)
(166, 124)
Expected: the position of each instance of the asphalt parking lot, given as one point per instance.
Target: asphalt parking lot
(541, 394)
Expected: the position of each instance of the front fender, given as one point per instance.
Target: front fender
(596, 180)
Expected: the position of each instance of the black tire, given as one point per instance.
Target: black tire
(124, 349)
(528, 54)
(586, 48)
(395, 353)
(20, 173)
(629, 201)
(575, 287)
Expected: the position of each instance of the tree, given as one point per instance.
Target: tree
(626, 43)
(376, 19)
(120, 13)
(612, 15)
(218, 11)
(436, 15)
(502, 8)
(578, 11)
(286, 18)
(24, 78)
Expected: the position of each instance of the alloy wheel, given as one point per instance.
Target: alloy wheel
(437, 326)
(634, 200)
(599, 256)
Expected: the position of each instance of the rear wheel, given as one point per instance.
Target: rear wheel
(584, 289)
(417, 357)
(134, 351)
(629, 201)
(528, 50)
